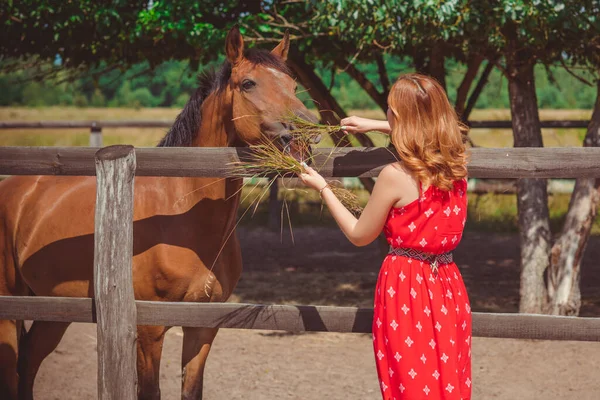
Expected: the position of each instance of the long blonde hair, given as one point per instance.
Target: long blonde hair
(426, 131)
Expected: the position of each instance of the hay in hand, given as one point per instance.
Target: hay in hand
(348, 199)
(308, 131)
(266, 160)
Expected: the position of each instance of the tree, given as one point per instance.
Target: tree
(516, 35)
(428, 33)
(82, 33)
(564, 272)
(564, 296)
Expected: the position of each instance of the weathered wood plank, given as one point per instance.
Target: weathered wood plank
(59, 309)
(299, 318)
(47, 160)
(113, 282)
(549, 162)
(543, 124)
(557, 162)
(167, 124)
(535, 326)
(293, 318)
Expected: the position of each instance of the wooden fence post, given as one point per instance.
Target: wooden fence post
(113, 284)
(95, 135)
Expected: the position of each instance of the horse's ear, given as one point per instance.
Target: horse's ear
(283, 47)
(234, 46)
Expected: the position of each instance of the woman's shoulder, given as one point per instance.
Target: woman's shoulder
(397, 178)
(394, 171)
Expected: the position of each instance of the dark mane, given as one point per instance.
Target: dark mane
(186, 125)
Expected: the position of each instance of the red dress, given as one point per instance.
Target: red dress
(422, 317)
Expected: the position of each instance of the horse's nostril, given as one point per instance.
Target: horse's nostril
(285, 139)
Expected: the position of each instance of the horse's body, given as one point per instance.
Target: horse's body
(183, 250)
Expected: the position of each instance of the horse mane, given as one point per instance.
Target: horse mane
(187, 124)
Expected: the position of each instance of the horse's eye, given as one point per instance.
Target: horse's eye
(248, 84)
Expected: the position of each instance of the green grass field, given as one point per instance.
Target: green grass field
(144, 137)
(491, 212)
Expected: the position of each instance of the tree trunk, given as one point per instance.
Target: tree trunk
(564, 296)
(432, 63)
(365, 83)
(437, 67)
(383, 75)
(329, 109)
(462, 93)
(420, 62)
(477, 91)
(532, 196)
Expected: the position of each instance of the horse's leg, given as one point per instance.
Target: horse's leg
(9, 350)
(11, 331)
(41, 340)
(149, 350)
(196, 346)
(198, 341)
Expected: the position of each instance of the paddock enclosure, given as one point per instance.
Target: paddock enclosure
(116, 313)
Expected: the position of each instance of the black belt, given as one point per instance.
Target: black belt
(433, 259)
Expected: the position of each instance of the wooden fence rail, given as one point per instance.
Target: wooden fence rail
(558, 162)
(300, 318)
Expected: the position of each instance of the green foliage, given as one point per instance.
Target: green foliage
(85, 33)
(139, 42)
(544, 31)
(170, 85)
(397, 26)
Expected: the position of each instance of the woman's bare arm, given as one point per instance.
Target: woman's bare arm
(390, 185)
(355, 124)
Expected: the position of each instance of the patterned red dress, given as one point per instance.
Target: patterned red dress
(422, 317)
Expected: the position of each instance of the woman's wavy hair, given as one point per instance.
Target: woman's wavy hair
(426, 131)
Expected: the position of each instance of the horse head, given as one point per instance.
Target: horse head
(263, 93)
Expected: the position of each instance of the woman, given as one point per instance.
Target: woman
(422, 317)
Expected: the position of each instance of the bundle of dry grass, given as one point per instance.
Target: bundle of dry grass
(266, 160)
(308, 131)
(348, 199)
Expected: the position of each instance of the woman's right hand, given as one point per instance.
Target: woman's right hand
(354, 124)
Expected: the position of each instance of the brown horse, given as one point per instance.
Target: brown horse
(180, 224)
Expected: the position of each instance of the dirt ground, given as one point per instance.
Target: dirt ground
(322, 268)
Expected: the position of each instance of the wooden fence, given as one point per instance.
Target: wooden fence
(274, 216)
(116, 312)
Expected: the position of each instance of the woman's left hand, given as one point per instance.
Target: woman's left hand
(312, 178)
